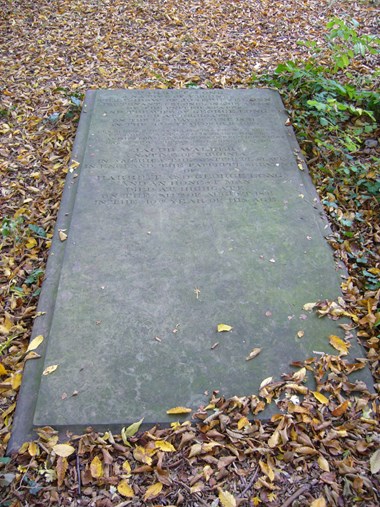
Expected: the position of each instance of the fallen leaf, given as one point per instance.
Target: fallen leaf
(153, 491)
(96, 468)
(309, 306)
(62, 235)
(339, 344)
(61, 469)
(265, 382)
(375, 462)
(178, 410)
(254, 352)
(32, 355)
(35, 343)
(323, 464)
(164, 446)
(16, 380)
(319, 502)
(223, 328)
(63, 450)
(33, 449)
(226, 499)
(131, 430)
(300, 334)
(340, 409)
(50, 369)
(320, 397)
(125, 489)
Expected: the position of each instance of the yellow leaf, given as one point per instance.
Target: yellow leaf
(223, 327)
(96, 468)
(339, 344)
(35, 343)
(153, 491)
(33, 449)
(16, 380)
(164, 446)
(300, 334)
(50, 369)
(274, 439)
(62, 235)
(254, 352)
(242, 422)
(319, 502)
(267, 470)
(319, 396)
(323, 464)
(3, 371)
(125, 489)
(143, 455)
(63, 450)
(127, 467)
(31, 243)
(226, 499)
(102, 71)
(256, 501)
(178, 410)
(309, 306)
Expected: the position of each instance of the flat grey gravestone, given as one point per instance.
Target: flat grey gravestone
(188, 209)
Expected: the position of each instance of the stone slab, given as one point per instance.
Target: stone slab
(188, 209)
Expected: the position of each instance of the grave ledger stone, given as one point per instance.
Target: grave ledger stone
(189, 208)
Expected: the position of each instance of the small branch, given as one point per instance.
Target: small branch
(78, 475)
(249, 485)
(298, 493)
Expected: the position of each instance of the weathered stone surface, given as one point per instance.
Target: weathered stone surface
(190, 210)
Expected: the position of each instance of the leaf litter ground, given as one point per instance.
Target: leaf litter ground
(323, 448)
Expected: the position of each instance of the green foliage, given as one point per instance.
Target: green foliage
(12, 227)
(337, 108)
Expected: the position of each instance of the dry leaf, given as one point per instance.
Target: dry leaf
(153, 491)
(319, 396)
(63, 450)
(96, 468)
(62, 235)
(61, 469)
(223, 328)
(33, 449)
(300, 334)
(323, 464)
(125, 489)
(340, 409)
(164, 446)
(375, 462)
(319, 502)
(265, 382)
(16, 380)
(178, 410)
(32, 355)
(254, 352)
(50, 369)
(35, 343)
(309, 306)
(339, 344)
(226, 499)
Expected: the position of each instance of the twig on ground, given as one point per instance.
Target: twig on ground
(295, 495)
(248, 486)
